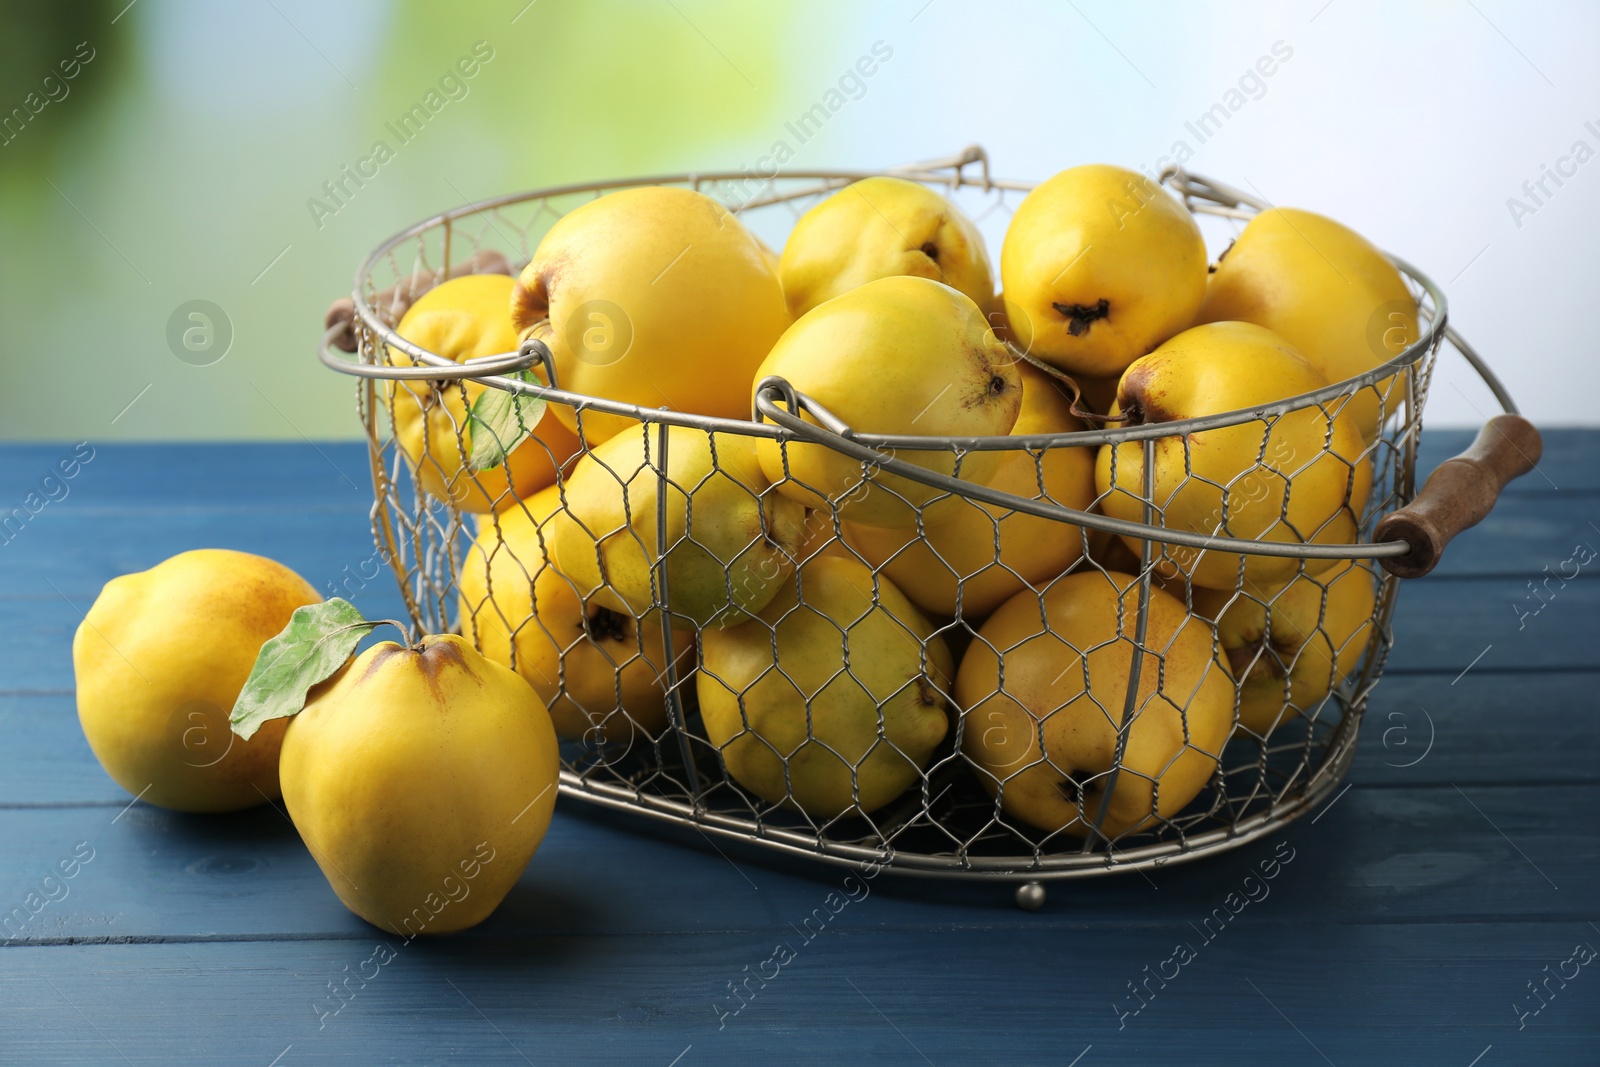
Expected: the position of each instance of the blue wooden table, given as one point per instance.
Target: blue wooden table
(1434, 913)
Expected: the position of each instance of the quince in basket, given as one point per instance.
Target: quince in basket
(882, 227)
(655, 296)
(597, 669)
(464, 319)
(1300, 477)
(1044, 738)
(1290, 645)
(830, 701)
(955, 561)
(1100, 264)
(1327, 291)
(730, 538)
(898, 355)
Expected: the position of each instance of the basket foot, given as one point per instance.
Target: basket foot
(1030, 896)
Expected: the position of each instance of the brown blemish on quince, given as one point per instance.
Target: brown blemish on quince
(434, 656)
(531, 297)
(1137, 402)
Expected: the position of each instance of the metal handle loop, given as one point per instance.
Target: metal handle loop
(435, 367)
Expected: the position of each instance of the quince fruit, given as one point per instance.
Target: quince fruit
(1099, 266)
(465, 319)
(730, 539)
(1046, 737)
(422, 780)
(978, 556)
(832, 700)
(1327, 291)
(159, 661)
(898, 355)
(881, 227)
(1290, 645)
(1302, 477)
(655, 296)
(599, 671)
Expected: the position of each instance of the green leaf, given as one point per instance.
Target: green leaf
(316, 643)
(499, 422)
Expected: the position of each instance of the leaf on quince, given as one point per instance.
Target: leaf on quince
(500, 421)
(317, 642)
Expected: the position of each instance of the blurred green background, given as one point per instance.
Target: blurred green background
(178, 163)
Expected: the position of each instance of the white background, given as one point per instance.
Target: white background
(1414, 123)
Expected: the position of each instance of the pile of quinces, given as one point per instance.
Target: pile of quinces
(820, 602)
(836, 627)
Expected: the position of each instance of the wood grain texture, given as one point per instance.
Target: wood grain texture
(1416, 910)
(856, 994)
(1379, 855)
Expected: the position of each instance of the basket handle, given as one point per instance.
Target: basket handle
(1460, 493)
(392, 303)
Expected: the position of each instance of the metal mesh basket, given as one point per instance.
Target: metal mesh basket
(835, 723)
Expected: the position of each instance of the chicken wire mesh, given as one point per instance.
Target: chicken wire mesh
(1081, 681)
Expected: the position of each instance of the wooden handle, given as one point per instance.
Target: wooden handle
(392, 303)
(1460, 493)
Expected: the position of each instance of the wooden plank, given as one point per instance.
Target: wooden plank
(1501, 727)
(856, 993)
(1570, 464)
(1392, 854)
(74, 553)
(238, 474)
(1509, 727)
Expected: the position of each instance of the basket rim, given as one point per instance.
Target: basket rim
(1435, 310)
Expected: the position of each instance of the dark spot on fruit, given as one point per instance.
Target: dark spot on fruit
(1220, 257)
(997, 385)
(435, 656)
(1137, 403)
(431, 658)
(1069, 789)
(530, 298)
(603, 624)
(529, 305)
(1242, 658)
(931, 250)
(1081, 316)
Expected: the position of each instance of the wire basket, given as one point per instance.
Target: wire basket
(850, 735)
